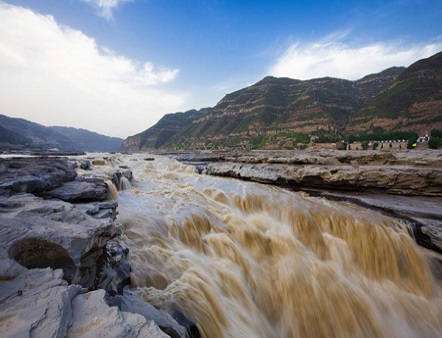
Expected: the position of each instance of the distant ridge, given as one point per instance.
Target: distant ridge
(17, 133)
(90, 141)
(413, 101)
(38, 136)
(278, 113)
(12, 139)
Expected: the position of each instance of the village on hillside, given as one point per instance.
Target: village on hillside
(421, 143)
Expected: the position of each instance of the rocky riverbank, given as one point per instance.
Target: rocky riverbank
(62, 269)
(403, 173)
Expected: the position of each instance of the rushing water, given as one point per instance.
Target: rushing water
(248, 260)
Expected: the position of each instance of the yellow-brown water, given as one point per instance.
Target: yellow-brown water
(247, 260)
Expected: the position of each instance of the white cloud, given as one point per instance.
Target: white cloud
(332, 57)
(105, 7)
(55, 75)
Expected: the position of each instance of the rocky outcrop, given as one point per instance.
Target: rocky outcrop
(172, 321)
(122, 178)
(403, 173)
(34, 175)
(421, 158)
(114, 270)
(40, 303)
(50, 177)
(51, 252)
(397, 180)
(37, 303)
(92, 317)
(38, 233)
(133, 143)
(60, 262)
(81, 190)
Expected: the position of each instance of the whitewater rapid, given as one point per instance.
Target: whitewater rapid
(250, 260)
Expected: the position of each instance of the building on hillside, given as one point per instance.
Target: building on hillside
(425, 138)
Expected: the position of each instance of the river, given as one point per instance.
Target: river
(251, 260)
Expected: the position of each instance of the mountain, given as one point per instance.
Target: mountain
(413, 101)
(161, 133)
(89, 141)
(10, 139)
(38, 136)
(16, 133)
(275, 113)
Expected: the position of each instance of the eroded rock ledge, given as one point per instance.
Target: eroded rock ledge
(63, 272)
(404, 173)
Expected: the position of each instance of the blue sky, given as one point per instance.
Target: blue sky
(117, 66)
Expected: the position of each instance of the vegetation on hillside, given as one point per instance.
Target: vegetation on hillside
(324, 136)
(435, 141)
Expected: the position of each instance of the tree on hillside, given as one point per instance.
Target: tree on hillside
(436, 133)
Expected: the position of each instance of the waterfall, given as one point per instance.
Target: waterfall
(124, 183)
(99, 162)
(250, 260)
(112, 190)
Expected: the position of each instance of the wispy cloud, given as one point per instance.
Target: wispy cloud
(106, 7)
(332, 56)
(53, 74)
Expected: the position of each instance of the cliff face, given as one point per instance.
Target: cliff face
(413, 101)
(162, 132)
(280, 112)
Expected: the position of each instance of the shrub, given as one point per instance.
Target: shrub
(436, 133)
(435, 143)
(412, 142)
(380, 135)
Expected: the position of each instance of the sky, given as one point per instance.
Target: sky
(117, 66)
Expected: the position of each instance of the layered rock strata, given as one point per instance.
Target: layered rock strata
(404, 173)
